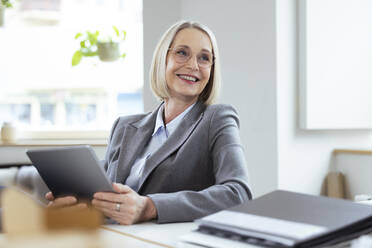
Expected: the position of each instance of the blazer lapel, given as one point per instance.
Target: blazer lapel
(135, 137)
(179, 136)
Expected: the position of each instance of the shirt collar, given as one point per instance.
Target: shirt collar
(171, 126)
(159, 120)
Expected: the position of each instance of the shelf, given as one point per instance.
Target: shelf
(353, 151)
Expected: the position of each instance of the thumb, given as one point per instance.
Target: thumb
(120, 188)
(49, 196)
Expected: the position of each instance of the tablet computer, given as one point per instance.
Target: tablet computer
(73, 170)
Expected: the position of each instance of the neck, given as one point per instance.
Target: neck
(174, 107)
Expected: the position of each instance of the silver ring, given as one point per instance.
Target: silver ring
(117, 208)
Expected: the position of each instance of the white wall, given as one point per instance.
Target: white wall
(304, 156)
(157, 17)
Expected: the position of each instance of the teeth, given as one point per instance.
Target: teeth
(188, 78)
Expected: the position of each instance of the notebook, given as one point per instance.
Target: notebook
(289, 219)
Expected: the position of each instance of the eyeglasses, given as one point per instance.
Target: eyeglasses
(183, 54)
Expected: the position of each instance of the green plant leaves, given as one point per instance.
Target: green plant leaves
(78, 35)
(76, 58)
(88, 44)
(92, 37)
(6, 4)
(121, 35)
(116, 31)
(88, 53)
(82, 44)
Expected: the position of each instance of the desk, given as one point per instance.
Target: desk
(145, 235)
(114, 240)
(151, 235)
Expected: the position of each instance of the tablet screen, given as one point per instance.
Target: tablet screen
(73, 170)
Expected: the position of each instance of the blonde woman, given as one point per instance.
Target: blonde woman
(184, 160)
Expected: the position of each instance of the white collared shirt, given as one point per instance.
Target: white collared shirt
(159, 136)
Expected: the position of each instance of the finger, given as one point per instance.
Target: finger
(110, 197)
(81, 206)
(120, 188)
(104, 204)
(64, 201)
(49, 196)
(121, 218)
(109, 213)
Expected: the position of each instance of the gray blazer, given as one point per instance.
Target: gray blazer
(199, 170)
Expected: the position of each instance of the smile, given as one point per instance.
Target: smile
(188, 78)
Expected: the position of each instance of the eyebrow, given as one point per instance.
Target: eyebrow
(203, 49)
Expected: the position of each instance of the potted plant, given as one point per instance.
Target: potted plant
(106, 47)
(3, 5)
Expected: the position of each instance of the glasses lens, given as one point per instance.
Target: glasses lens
(205, 59)
(182, 54)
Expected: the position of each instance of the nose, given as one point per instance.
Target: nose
(192, 63)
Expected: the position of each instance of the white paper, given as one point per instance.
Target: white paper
(266, 225)
(187, 241)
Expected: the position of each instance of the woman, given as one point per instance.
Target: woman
(184, 160)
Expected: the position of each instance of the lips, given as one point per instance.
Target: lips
(188, 78)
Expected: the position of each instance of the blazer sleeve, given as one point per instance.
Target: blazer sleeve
(230, 172)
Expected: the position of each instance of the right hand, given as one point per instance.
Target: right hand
(61, 202)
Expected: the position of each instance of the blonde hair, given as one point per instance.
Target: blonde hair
(158, 66)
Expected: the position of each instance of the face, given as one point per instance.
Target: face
(187, 79)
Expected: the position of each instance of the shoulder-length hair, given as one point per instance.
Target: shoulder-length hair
(159, 60)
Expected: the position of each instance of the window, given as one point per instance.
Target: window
(42, 93)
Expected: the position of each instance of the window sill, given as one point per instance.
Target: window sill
(64, 135)
(54, 142)
(14, 154)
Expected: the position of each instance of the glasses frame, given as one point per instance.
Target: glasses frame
(173, 50)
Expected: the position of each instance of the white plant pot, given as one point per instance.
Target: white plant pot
(108, 51)
(8, 133)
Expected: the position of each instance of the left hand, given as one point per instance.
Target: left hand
(126, 206)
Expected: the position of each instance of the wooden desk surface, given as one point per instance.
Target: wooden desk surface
(105, 238)
(145, 235)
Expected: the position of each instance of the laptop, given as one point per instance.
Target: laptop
(71, 171)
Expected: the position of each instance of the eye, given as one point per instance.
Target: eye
(182, 52)
(205, 57)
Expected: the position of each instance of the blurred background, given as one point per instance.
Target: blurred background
(42, 91)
